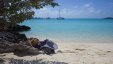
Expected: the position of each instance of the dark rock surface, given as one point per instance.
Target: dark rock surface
(14, 37)
(21, 28)
(7, 26)
(19, 44)
(15, 42)
(2, 61)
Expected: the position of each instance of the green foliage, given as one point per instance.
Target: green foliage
(16, 11)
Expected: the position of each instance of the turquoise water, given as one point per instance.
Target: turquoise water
(72, 30)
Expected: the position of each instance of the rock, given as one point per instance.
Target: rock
(14, 37)
(20, 47)
(33, 41)
(25, 49)
(7, 36)
(8, 26)
(20, 37)
(5, 47)
(15, 42)
(21, 28)
(33, 50)
(15, 47)
(2, 61)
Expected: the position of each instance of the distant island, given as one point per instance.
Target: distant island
(108, 18)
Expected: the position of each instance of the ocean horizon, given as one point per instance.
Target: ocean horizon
(72, 30)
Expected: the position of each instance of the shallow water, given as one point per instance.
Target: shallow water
(72, 30)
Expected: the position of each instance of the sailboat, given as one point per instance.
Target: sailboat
(60, 18)
(48, 16)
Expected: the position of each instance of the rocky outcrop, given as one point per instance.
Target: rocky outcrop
(25, 49)
(2, 61)
(13, 41)
(14, 37)
(8, 26)
(6, 47)
(18, 43)
(21, 28)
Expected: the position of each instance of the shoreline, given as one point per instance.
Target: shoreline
(74, 39)
(75, 53)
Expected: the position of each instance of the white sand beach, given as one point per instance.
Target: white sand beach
(75, 53)
(82, 29)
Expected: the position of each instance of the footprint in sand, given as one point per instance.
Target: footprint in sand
(70, 51)
(101, 52)
(66, 51)
(80, 49)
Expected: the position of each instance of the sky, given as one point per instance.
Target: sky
(78, 9)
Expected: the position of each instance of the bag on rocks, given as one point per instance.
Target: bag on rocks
(47, 46)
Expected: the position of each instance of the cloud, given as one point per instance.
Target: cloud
(86, 10)
(46, 12)
(77, 11)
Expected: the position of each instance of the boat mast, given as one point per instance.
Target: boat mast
(59, 12)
